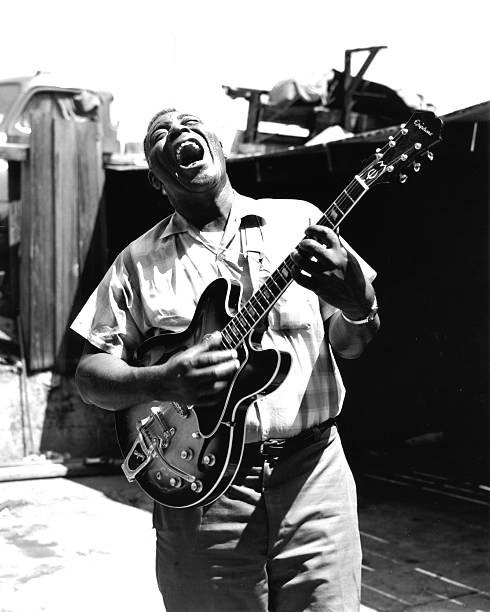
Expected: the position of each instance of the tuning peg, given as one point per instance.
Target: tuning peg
(417, 146)
(379, 155)
(391, 141)
(430, 155)
(404, 157)
(389, 168)
(403, 178)
(416, 166)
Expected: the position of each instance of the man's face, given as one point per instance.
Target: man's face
(184, 155)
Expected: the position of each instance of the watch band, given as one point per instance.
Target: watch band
(370, 317)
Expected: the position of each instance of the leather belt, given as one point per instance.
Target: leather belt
(275, 448)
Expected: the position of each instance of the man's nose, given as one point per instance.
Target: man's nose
(176, 129)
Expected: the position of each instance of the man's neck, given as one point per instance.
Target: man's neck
(207, 212)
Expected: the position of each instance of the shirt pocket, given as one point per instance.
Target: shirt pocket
(296, 309)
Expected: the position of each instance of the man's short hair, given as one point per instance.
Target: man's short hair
(164, 111)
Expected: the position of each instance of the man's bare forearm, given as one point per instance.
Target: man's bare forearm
(197, 375)
(112, 384)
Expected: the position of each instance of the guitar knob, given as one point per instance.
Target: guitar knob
(196, 486)
(209, 459)
(186, 454)
(403, 178)
(416, 166)
(430, 155)
(175, 482)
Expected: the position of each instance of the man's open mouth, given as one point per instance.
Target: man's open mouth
(188, 153)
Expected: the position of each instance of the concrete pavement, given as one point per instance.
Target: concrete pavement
(86, 544)
(66, 547)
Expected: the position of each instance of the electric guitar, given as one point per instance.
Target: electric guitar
(185, 456)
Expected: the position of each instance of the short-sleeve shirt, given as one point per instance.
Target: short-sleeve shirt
(156, 281)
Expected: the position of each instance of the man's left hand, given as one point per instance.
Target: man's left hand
(323, 265)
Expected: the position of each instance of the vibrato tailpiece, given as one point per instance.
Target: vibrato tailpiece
(153, 439)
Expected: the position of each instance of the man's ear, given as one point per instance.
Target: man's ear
(154, 182)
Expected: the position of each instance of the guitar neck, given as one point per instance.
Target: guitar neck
(261, 302)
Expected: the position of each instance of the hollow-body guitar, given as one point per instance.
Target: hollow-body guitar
(185, 456)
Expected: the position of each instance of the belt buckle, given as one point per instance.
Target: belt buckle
(268, 447)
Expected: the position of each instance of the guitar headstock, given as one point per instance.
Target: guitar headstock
(402, 152)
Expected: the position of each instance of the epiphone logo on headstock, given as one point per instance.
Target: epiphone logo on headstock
(422, 127)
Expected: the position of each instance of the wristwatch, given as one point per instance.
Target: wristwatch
(370, 317)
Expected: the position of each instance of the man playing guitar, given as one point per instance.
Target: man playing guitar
(284, 535)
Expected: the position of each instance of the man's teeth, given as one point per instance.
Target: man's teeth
(188, 152)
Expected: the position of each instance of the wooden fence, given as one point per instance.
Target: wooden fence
(62, 238)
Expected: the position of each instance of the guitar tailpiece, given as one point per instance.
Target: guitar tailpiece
(137, 459)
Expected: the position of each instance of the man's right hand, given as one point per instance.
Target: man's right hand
(199, 375)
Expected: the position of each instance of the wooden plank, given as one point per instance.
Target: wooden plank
(92, 244)
(24, 254)
(41, 337)
(66, 270)
(15, 220)
(14, 151)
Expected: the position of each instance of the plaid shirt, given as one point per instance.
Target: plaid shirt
(156, 281)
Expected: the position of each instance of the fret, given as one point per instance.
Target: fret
(244, 312)
(348, 195)
(255, 312)
(331, 212)
(284, 271)
(265, 291)
(225, 340)
(358, 189)
(232, 332)
(261, 294)
(271, 278)
(242, 323)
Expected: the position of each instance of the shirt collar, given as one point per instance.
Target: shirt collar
(242, 207)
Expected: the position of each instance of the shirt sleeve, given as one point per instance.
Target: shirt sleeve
(111, 319)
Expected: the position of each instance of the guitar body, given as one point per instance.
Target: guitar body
(185, 456)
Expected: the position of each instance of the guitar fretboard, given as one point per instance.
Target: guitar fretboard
(261, 302)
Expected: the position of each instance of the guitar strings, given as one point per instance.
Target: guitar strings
(232, 336)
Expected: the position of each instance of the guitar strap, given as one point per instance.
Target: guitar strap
(252, 239)
(252, 242)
